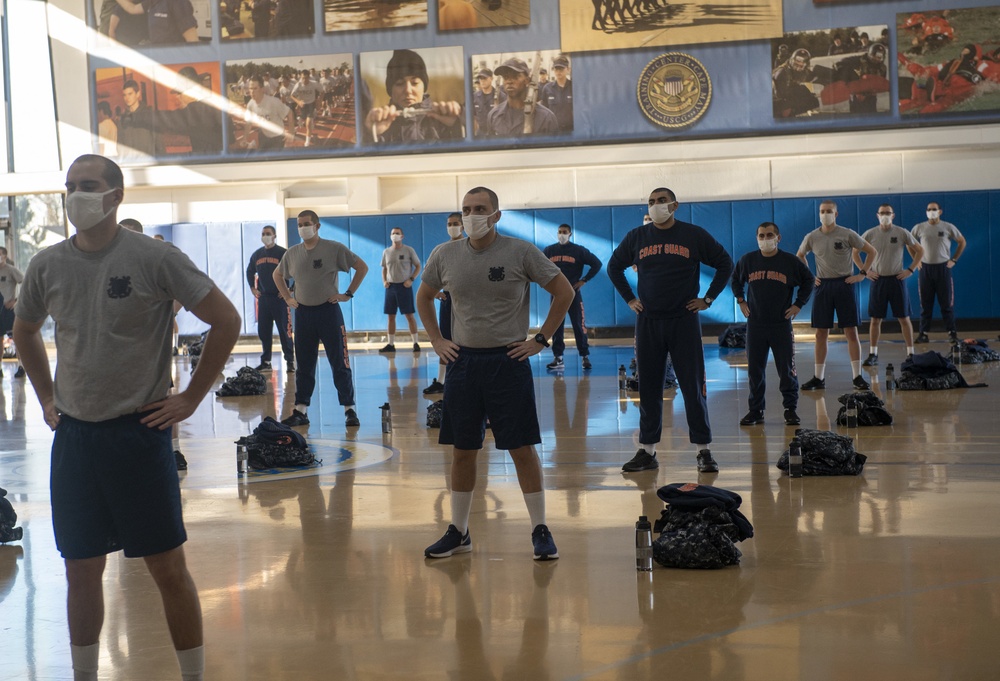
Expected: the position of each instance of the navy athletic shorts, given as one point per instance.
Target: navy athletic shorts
(114, 486)
(886, 292)
(834, 295)
(485, 382)
(398, 297)
(6, 319)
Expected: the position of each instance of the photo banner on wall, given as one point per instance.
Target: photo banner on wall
(505, 85)
(949, 62)
(589, 25)
(459, 15)
(369, 15)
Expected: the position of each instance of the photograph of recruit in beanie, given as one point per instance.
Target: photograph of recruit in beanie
(412, 96)
(368, 15)
(458, 15)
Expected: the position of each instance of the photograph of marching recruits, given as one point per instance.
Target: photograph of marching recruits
(177, 111)
(511, 99)
(832, 72)
(242, 19)
(591, 25)
(153, 22)
(457, 15)
(368, 15)
(949, 61)
(412, 96)
(291, 102)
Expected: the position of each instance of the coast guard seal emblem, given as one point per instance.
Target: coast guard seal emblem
(674, 90)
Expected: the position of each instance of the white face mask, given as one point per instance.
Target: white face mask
(933, 214)
(307, 231)
(477, 226)
(885, 220)
(454, 231)
(86, 209)
(661, 212)
(767, 245)
(396, 238)
(828, 219)
(267, 240)
(563, 238)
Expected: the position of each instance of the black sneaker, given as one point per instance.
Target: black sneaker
(182, 464)
(814, 384)
(295, 419)
(19, 373)
(860, 383)
(541, 541)
(416, 347)
(587, 366)
(452, 542)
(752, 418)
(706, 464)
(791, 418)
(642, 461)
(953, 337)
(435, 388)
(872, 360)
(389, 347)
(264, 366)
(556, 364)
(922, 337)
(351, 419)
(290, 367)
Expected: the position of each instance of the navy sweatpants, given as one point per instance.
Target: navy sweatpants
(315, 323)
(271, 311)
(935, 282)
(779, 340)
(579, 323)
(681, 337)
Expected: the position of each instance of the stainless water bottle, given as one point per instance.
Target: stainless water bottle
(890, 378)
(621, 377)
(241, 460)
(852, 412)
(643, 545)
(386, 418)
(795, 458)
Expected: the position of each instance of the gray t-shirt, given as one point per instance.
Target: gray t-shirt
(490, 289)
(114, 316)
(890, 244)
(315, 271)
(936, 240)
(399, 263)
(10, 277)
(833, 251)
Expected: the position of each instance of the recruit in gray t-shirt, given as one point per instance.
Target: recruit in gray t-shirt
(890, 244)
(833, 251)
(10, 277)
(936, 240)
(490, 289)
(114, 315)
(315, 271)
(399, 263)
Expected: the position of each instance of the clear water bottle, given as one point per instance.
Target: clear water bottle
(852, 412)
(956, 354)
(621, 377)
(795, 458)
(643, 545)
(386, 418)
(241, 460)
(890, 378)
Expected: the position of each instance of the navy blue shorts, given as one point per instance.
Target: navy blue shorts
(485, 383)
(834, 295)
(6, 319)
(114, 486)
(444, 317)
(398, 297)
(886, 292)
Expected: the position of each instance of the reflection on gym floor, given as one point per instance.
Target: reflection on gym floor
(894, 574)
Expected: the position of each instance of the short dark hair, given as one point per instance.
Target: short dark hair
(769, 224)
(132, 224)
(830, 201)
(673, 197)
(105, 108)
(270, 227)
(258, 79)
(887, 205)
(130, 84)
(309, 214)
(395, 228)
(454, 215)
(566, 226)
(494, 201)
(111, 173)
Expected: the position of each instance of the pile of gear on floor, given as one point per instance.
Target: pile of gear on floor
(822, 453)
(862, 408)
(247, 381)
(8, 519)
(700, 527)
(629, 381)
(934, 371)
(734, 336)
(275, 445)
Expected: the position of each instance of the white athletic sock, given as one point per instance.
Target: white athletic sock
(192, 662)
(392, 339)
(176, 444)
(415, 337)
(909, 349)
(821, 371)
(855, 367)
(348, 407)
(650, 449)
(302, 408)
(85, 661)
(535, 501)
(873, 349)
(698, 448)
(442, 369)
(461, 506)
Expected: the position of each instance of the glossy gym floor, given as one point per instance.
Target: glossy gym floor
(894, 574)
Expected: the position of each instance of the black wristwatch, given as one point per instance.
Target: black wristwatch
(540, 339)
(708, 301)
(348, 294)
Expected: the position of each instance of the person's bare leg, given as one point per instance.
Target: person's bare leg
(412, 323)
(180, 597)
(85, 599)
(529, 469)
(463, 470)
(853, 343)
(907, 328)
(874, 333)
(822, 336)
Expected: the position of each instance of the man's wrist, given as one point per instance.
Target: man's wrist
(349, 293)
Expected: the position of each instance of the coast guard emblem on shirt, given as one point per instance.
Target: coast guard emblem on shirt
(318, 264)
(119, 287)
(497, 274)
(838, 245)
(894, 240)
(674, 90)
